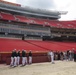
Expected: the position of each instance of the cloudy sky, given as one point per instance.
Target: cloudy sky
(60, 5)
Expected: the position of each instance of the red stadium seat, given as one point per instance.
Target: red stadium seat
(22, 18)
(37, 21)
(69, 25)
(44, 22)
(7, 45)
(7, 16)
(72, 25)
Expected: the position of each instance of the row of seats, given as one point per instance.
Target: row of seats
(46, 22)
(7, 45)
(7, 16)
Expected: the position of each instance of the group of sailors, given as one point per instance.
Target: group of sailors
(15, 58)
(68, 55)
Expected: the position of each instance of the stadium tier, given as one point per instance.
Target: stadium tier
(37, 24)
(7, 45)
(18, 18)
(33, 29)
(7, 16)
(21, 18)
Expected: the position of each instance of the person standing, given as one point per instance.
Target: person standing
(74, 55)
(24, 59)
(18, 57)
(30, 57)
(48, 54)
(65, 55)
(52, 57)
(68, 55)
(15, 58)
(61, 56)
(12, 59)
(58, 55)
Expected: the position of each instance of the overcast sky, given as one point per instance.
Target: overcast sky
(60, 5)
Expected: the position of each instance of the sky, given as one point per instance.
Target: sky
(59, 5)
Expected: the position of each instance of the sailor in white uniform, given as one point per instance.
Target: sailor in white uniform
(52, 56)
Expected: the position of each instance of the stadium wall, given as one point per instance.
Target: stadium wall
(37, 58)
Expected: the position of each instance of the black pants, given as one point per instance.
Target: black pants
(75, 57)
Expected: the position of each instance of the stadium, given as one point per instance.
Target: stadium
(38, 30)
